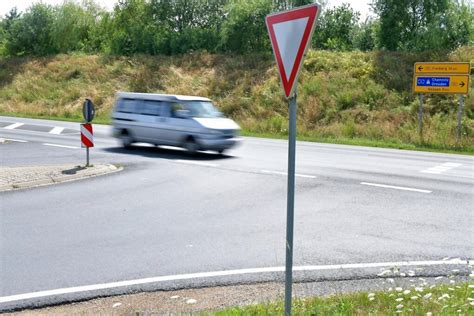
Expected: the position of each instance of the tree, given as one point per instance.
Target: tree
(244, 29)
(417, 25)
(336, 28)
(31, 33)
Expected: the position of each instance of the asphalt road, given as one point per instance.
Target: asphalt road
(169, 214)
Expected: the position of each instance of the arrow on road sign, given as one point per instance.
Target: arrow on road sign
(462, 84)
(290, 33)
(420, 68)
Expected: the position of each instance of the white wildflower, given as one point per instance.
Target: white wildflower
(399, 306)
(427, 296)
(444, 296)
(398, 289)
(414, 297)
(371, 295)
(390, 289)
(371, 298)
(116, 305)
(390, 280)
(399, 299)
(452, 281)
(174, 297)
(406, 292)
(191, 301)
(450, 288)
(429, 314)
(411, 273)
(419, 289)
(471, 286)
(439, 277)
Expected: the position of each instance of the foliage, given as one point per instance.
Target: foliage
(336, 27)
(418, 25)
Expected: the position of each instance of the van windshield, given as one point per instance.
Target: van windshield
(201, 109)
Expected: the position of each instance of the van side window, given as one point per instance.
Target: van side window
(176, 106)
(151, 108)
(127, 106)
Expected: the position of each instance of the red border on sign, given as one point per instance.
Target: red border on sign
(310, 12)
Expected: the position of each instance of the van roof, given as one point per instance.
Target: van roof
(160, 97)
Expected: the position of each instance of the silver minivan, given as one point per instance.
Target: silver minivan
(173, 120)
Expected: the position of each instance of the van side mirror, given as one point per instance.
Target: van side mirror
(181, 113)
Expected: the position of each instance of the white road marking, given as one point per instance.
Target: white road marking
(441, 168)
(200, 275)
(14, 125)
(16, 140)
(62, 146)
(395, 187)
(285, 174)
(56, 130)
(198, 163)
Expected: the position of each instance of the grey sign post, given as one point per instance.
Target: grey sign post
(290, 34)
(290, 204)
(459, 130)
(420, 117)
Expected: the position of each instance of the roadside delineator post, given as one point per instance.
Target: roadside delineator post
(87, 134)
(290, 35)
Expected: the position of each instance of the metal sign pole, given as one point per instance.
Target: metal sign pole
(290, 204)
(420, 117)
(461, 103)
(87, 154)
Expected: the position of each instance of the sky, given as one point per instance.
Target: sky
(5, 5)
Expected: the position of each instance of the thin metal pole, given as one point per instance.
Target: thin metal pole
(420, 117)
(290, 205)
(87, 154)
(461, 104)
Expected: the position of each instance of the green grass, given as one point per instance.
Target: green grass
(440, 300)
(343, 97)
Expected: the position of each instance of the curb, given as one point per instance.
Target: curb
(60, 179)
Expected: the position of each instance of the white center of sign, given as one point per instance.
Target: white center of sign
(288, 36)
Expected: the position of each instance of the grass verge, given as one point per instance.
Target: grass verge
(436, 300)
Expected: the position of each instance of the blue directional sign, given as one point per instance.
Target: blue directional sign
(433, 81)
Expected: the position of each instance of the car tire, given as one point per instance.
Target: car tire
(127, 139)
(191, 146)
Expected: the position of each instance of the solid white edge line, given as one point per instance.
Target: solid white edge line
(14, 125)
(62, 146)
(56, 130)
(395, 187)
(104, 286)
(285, 174)
(197, 163)
(16, 140)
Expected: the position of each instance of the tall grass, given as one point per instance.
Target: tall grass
(341, 95)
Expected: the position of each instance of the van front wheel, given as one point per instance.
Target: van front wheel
(126, 139)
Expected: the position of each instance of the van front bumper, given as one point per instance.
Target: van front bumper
(218, 144)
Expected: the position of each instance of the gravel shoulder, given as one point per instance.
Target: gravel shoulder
(13, 178)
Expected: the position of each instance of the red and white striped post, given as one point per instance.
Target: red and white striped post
(87, 139)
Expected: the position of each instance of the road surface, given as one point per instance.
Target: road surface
(168, 216)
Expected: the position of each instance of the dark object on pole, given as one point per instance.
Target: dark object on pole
(88, 110)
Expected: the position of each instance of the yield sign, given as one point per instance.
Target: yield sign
(290, 33)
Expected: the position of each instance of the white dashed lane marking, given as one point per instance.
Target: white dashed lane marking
(281, 173)
(61, 146)
(442, 168)
(16, 140)
(198, 163)
(395, 187)
(14, 125)
(56, 130)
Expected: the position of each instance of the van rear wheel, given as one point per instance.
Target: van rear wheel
(191, 146)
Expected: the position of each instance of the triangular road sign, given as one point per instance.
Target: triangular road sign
(290, 34)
